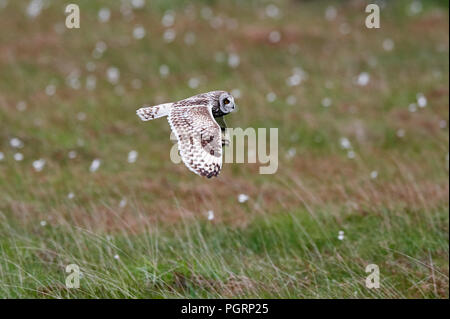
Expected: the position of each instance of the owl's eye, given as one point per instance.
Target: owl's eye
(226, 101)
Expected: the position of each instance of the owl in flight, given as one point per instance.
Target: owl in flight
(198, 124)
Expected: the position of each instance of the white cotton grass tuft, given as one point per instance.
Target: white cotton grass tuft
(242, 198)
(100, 48)
(233, 60)
(72, 154)
(271, 97)
(164, 70)
(291, 153)
(132, 156)
(190, 38)
(345, 143)
(71, 195)
(274, 37)
(81, 116)
(216, 22)
(401, 133)
(116, 257)
(91, 82)
(291, 100)
(90, 66)
(326, 102)
(21, 106)
(16, 142)
(206, 13)
(412, 107)
(18, 157)
(341, 235)
(373, 174)
(113, 75)
(272, 11)
(2, 156)
(123, 202)
(3, 4)
(210, 215)
(415, 7)
(351, 154)
(104, 14)
(297, 77)
(169, 35)
(443, 124)
(138, 4)
(139, 32)
(39, 164)
(34, 8)
(236, 93)
(193, 83)
(168, 19)
(294, 80)
(330, 13)
(50, 89)
(363, 79)
(80, 142)
(73, 79)
(95, 165)
(388, 44)
(43, 223)
(421, 100)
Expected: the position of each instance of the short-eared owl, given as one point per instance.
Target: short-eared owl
(198, 124)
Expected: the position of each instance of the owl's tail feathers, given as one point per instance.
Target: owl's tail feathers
(148, 113)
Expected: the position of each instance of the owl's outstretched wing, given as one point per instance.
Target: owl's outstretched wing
(199, 139)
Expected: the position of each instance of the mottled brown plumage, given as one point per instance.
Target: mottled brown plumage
(193, 122)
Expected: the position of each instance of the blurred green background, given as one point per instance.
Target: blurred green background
(363, 150)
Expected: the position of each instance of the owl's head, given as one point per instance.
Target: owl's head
(226, 103)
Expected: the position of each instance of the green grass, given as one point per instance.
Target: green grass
(291, 255)
(283, 242)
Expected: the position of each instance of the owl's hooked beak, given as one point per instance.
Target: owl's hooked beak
(235, 109)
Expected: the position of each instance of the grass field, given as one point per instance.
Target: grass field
(363, 175)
